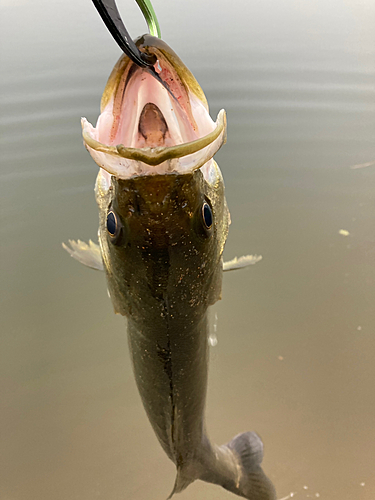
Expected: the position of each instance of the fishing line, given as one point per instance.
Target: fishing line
(150, 17)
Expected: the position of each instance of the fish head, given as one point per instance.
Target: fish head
(163, 214)
(153, 121)
(163, 236)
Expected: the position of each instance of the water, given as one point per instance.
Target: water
(295, 333)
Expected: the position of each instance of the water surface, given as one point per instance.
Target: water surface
(296, 333)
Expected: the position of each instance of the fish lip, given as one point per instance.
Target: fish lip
(159, 155)
(155, 156)
(191, 138)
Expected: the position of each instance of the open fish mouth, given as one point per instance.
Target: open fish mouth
(153, 125)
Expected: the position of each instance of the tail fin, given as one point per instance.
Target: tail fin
(236, 466)
(249, 448)
(253, 484)
(183, 479)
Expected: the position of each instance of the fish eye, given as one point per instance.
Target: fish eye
(111, 223)
(114, 226)
(207, 215)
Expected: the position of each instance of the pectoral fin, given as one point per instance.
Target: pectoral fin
(87, 254)
(244, 261)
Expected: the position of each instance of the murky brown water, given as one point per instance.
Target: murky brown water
(296, 333)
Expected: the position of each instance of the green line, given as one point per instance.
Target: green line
(150, 16)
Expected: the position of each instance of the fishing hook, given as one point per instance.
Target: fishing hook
(112, 19)
(109, 13)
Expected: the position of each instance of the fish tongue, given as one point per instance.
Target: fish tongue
(152, 126)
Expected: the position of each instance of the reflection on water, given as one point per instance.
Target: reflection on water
(295, 333)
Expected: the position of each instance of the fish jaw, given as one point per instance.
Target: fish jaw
(153, 125)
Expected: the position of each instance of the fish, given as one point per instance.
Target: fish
(163, 224)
